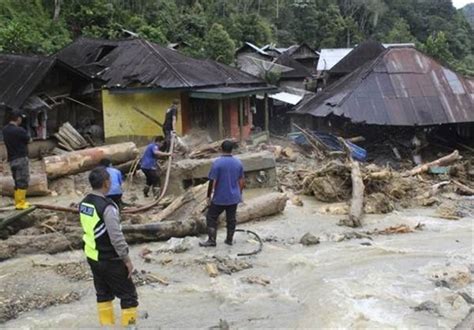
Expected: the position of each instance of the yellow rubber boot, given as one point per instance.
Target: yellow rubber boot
(129, 316)
(106, 313)
(20, 199)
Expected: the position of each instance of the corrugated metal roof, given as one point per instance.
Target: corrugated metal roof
(401, 87)
(19, 77)
(287, 98)
(139, 62)
(364, 52)
(329, 57)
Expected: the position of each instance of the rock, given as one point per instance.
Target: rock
(256, 280)
(309, 239)
(428, 306)
(176, 245)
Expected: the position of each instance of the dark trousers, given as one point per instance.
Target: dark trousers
(111, 280)
(152, 177)
(117, 199)
(215, 211)
(167, 134)
(21, 172)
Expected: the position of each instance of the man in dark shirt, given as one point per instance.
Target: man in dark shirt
(226, 180)
(16, 141)
(170, 121)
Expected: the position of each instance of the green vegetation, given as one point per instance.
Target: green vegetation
(212, 28)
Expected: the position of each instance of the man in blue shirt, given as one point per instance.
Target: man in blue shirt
(115, 192)
(226, 180)
(150, 167)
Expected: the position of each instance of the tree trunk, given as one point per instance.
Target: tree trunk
(446, 160)
(38, 185)
(266, 205)
(83, 160)
(357, 202)
(260, 207)
(57, 10)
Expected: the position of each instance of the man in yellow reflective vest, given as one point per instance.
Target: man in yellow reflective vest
(107, 252)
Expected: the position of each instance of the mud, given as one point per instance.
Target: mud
(370, 278)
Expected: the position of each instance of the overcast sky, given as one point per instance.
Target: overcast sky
(461, 3)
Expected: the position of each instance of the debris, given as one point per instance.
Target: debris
(378, 203)
(400, 229)
(463, 189)
(70, 139)
(357, 203)
(206, 150)
(449, 210)
(211, 269)
(256, 280)
(309, 239)
(446, 160)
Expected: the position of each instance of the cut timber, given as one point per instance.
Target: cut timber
(80, 161)
(357, 202)
(38, 185)
(444, 161)
(211, 269)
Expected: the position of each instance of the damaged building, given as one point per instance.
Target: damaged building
(396, 90)
(49, 92)
(141, 79)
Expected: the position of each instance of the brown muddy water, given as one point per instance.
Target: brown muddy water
(419, 280)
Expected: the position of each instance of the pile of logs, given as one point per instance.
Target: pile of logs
(191, 221)
(70, 139)
(207, 150)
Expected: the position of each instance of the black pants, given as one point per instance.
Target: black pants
(20, 172)
(152, 177)
(117, 199)
(167, 134)
(215, 211)
(111, 280)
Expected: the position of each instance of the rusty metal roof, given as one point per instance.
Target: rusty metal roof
(20, 75)
(137, 62)
(401, 87)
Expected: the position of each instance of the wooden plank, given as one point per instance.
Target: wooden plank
(221, 120)
(12, 216)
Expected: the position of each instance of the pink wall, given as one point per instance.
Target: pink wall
(232, 122)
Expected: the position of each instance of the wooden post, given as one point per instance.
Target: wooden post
(267, 115)
(241, 118)
(221, 121)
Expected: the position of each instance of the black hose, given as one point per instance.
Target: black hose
(260, 243)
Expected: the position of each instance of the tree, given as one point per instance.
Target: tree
(437, 46)
(218, 45)
(400, 33)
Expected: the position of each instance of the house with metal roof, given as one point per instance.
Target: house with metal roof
(140, 77)
(48, 91)
(401, 86)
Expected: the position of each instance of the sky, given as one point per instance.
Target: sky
(461, 3)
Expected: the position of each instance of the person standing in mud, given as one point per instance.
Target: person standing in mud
(226, 183)
(16, 141)
(169, 126)
(149, 166)
(107, 252)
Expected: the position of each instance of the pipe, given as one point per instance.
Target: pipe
(260, 243)
(128, 211)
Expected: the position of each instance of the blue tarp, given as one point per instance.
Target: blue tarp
(331, 142)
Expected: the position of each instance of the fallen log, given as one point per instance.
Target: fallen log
(443, 161)
(256, 208)
(207, 149)
(465, 190)
(83, 160)
(266, 205)
(38, 185)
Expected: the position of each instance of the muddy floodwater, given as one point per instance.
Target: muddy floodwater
(421, 279)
